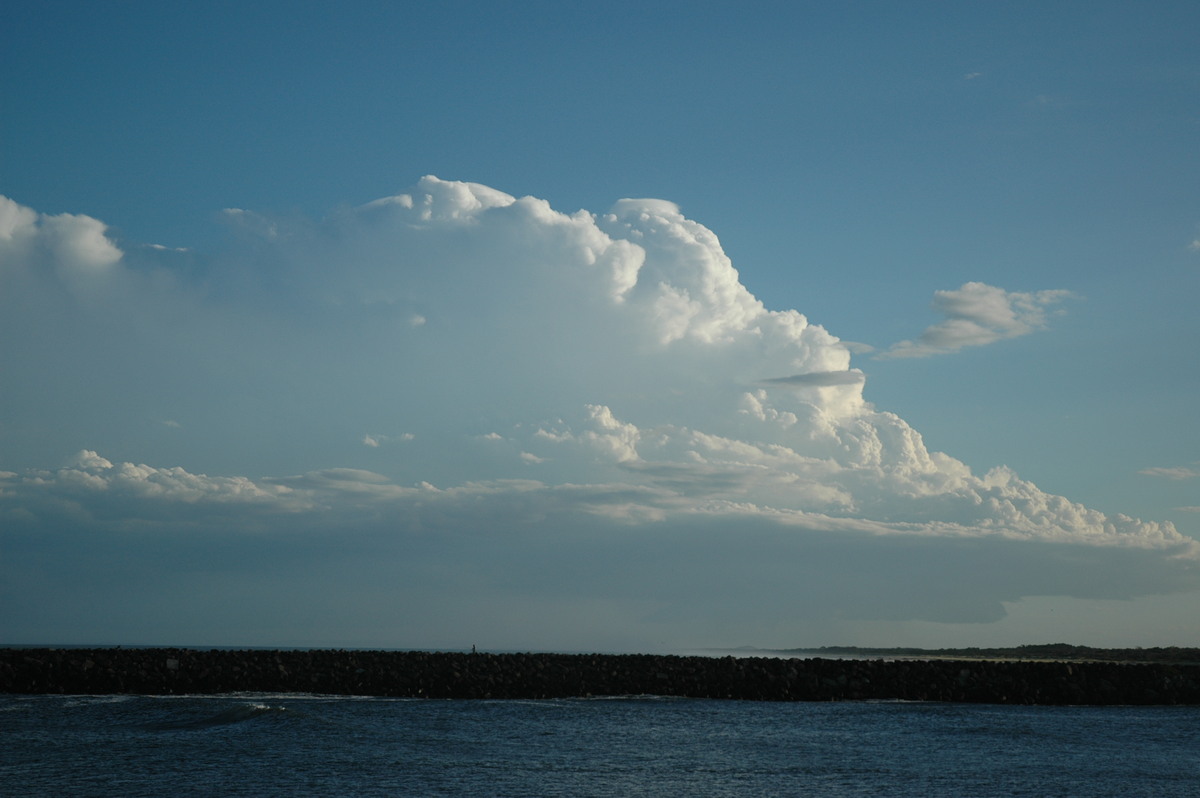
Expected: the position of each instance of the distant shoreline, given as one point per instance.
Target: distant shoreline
(1042, 652)
(418, 674)
(1049, 652)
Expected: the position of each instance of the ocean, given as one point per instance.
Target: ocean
(313, 745)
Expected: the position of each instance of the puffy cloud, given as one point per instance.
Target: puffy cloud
(699, 458)
(978, 314)
(16, 221)
(73, 246)
(89, 473)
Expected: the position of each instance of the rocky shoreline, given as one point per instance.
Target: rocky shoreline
(414, 674)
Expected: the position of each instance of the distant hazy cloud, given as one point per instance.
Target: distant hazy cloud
(978, 314)
(1175, 472)
(374, 441)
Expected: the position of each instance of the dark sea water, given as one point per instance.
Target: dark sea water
(299, 745)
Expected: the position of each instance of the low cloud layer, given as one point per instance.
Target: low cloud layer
(498, 419)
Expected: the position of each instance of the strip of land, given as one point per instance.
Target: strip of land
(1049, 652)
(416, 674)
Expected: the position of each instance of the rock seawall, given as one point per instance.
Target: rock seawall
(160, 671)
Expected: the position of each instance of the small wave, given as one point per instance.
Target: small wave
(92, 700)
(226, 717)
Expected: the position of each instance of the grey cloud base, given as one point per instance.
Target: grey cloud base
(547, 564)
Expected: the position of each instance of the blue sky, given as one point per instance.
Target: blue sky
(265, 380)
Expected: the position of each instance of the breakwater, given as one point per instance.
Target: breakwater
(163, 671)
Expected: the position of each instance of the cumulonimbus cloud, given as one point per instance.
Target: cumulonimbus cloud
(582, 388)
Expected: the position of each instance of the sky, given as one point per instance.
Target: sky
(632, 327)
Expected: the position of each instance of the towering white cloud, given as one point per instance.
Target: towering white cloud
(573, 388)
